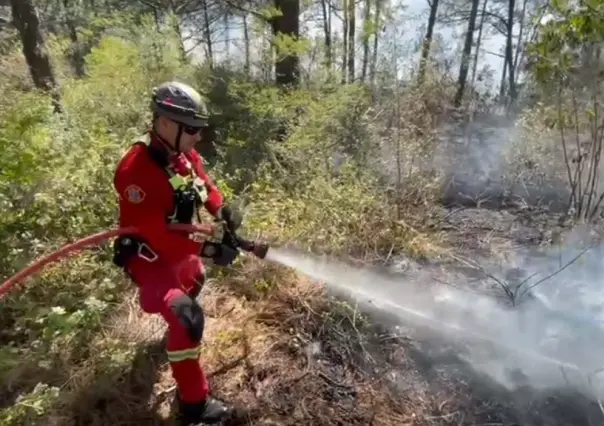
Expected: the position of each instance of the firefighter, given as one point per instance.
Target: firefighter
(161, 180)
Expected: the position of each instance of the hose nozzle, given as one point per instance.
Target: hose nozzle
(260, 250)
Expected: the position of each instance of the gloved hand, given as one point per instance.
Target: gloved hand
(221, 254)
(232, 217)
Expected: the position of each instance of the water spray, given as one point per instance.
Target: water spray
(382, 295)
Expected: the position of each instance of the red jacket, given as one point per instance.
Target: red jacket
(147, 198)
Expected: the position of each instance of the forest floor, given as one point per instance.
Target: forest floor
(294, 356)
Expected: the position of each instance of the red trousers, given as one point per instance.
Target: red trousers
(166, 289)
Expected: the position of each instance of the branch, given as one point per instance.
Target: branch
(573, 260)
(506, 288)
(245, 10)
(499, 17)
(494, 54)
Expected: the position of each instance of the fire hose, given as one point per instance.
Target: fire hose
(258, 249)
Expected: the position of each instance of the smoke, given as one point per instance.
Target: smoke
(492, 161)
(552, 340)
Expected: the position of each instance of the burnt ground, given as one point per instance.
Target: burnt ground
(492, 239)
(288, 354)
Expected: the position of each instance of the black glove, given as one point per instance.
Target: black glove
(221, 254)
(232, 217)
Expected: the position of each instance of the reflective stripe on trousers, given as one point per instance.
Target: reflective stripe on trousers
(184, 354)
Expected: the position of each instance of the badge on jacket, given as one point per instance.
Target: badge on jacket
(135, 194)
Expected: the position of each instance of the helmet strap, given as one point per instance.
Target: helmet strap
(178, 135)
(176, 146)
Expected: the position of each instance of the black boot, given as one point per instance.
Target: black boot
(210, 411)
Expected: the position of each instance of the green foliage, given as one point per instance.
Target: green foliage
(568, 68)
(30, 407)
(559, 52)
(56, 176)
(286, 45)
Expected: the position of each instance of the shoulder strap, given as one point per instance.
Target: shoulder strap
(176, 180)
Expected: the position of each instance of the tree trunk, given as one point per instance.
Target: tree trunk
(376, 37)
(520, 43)
(367, 30)
(351, 39)
(208, 34)
(344, 38)
(327, 33)
(287, 64)
(479, 41)
(467, 53)
(27, 22)
(509, 57)
(427, 44)
(76, 55)
(502, 85)
(227, 41)
(246, 38)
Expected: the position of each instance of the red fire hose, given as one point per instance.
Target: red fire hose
(85, 242)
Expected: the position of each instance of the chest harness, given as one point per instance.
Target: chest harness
(189, 194)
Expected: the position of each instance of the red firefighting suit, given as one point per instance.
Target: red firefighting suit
(167, 268)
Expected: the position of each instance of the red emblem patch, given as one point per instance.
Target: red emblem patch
(135, 194)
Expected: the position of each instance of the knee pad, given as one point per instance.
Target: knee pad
(190, 315)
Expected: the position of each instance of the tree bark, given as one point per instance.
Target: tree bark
(287, 64)
(373, 67)
(246, 37)
(208, 34)
(509, 56)
(351, 39)
(326, 8)
(466, 55)
(344, 38)
(76, 55)
(27, 22)
(479, 41)
(367, 27)
(427, 44)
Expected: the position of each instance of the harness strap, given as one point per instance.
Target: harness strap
(176, 180)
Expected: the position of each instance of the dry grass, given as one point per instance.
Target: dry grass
(275, 346)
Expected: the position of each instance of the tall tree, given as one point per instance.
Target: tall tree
(427, 44)
(207, 33)
(286, 29)
(368, 29)
(509, 49)
(351, 39)
(345, 48)
(27, 22)
(466, 55)
(326, 9)
(478, 41)
(76, 53)
(377, 20)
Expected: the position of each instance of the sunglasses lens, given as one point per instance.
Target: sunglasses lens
(189, 130)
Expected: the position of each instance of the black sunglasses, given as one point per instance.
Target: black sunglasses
(191, 130)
